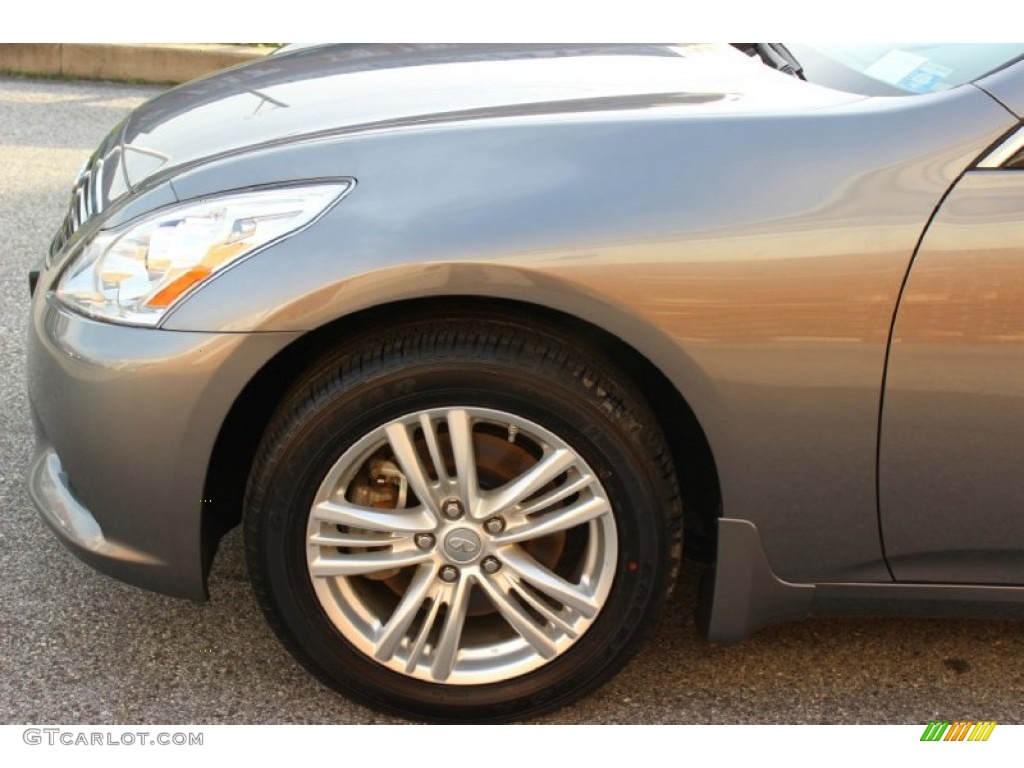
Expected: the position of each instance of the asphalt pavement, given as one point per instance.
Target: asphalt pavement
(78, 647)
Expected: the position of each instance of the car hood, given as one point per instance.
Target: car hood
(329, 89)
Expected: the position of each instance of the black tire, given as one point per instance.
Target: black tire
(562, 399)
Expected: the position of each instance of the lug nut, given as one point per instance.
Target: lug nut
(491, 565)
(449, 573)
(494, 526)
(452, 509)
(424, 540)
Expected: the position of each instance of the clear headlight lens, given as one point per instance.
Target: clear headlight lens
(136, 273)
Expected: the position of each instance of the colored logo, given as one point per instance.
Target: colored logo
(961, 730)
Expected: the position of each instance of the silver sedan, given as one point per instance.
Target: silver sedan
(473, 339)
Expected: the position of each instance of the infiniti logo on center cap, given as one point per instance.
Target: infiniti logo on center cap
(462, 545)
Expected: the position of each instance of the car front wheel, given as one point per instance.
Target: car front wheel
(464, 520)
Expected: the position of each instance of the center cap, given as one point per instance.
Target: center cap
(462, 545)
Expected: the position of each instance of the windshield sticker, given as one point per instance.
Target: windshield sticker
(925, 79)
(908, 71)
(894, 66)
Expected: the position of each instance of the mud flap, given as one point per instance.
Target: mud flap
(741, 593)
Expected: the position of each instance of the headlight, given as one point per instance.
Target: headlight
(136, 273)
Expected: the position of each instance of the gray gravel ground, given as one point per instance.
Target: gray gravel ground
(77, 647)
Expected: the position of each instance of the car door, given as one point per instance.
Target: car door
(951, 460)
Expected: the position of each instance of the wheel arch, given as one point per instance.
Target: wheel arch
(241, 431)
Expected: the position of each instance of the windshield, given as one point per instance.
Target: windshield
(893, 69)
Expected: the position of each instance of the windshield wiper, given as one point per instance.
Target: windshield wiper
(775, 55)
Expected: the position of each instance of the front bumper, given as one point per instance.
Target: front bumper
(126, 419)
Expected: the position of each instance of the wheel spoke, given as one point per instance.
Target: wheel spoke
(402, 618)
(434, 447)
(563, 491)
(412, 465)
(451, 632)
(416, 652)
(389, 521)
(555, 618)
(460, 429)
(575, 514)
(335, 538)
(551, 584)
(362, 563)
(528, 483)
(498, 590)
